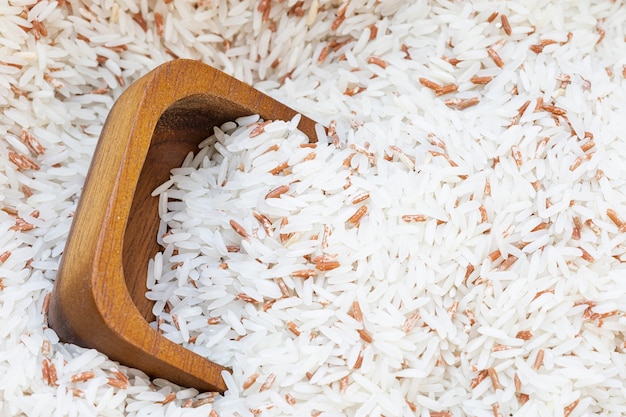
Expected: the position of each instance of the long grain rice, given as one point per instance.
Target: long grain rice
(486, 260)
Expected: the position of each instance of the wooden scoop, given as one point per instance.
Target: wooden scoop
(99, 297)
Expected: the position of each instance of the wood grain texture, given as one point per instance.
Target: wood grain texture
(99, 299)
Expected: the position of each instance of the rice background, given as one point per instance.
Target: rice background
(62, 64)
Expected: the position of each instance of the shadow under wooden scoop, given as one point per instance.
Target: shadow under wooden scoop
(99, 298)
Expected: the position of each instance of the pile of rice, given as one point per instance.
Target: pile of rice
(454, 246)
